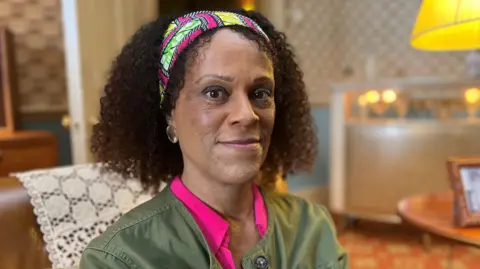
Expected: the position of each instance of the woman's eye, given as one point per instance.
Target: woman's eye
(216, 93)
(262, 94)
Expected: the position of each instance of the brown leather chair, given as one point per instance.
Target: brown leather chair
(21, 242)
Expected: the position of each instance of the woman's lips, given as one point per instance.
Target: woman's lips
(248, 143)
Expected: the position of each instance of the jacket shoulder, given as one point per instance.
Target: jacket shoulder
(286, 203)
(308, 218)
(139, 217)
(155, 234)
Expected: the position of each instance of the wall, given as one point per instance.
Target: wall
(330, 36)
(333, 40)
(320, 173)
(37, 29)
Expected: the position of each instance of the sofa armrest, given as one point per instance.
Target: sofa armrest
(21, 242)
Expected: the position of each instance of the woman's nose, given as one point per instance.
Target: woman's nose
(242, 111)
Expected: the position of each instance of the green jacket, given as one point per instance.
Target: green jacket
(161, 234)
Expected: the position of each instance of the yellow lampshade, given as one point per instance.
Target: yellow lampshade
(447, 25)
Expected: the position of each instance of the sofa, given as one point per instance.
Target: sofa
(21, 242)
(24, 242)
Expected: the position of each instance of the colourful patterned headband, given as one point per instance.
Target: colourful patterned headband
(182, 31)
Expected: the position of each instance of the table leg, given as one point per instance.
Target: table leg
(427, 241)
(451, 255)
(346, 222)
(342, 224)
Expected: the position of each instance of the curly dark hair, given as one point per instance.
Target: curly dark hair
(130, 136)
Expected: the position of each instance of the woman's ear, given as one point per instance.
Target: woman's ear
(171, 118)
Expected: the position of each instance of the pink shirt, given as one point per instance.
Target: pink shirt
(213, 226)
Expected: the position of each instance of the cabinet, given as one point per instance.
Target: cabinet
(391, 139)
(27, 150)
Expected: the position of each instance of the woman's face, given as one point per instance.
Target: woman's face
(225, 112)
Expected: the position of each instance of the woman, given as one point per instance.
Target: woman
(210, 102)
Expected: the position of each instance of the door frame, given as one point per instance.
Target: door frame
(73, 70)
(98, 29)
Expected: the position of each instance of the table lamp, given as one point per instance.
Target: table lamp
(447, 25)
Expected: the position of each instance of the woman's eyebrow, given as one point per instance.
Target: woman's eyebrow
(265, 78)
(222, 77)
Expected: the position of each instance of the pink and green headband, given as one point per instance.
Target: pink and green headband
(182, 31)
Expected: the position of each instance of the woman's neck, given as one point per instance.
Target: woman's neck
(234, 202)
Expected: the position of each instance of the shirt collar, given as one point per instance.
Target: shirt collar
(213, 226)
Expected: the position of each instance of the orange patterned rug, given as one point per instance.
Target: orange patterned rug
(398, 248)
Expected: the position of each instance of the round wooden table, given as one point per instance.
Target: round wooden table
(433, 213)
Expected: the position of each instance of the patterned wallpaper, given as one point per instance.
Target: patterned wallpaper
(330, 37)
(37, 29)
(336, 37)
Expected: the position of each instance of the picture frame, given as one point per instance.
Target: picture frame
(464, 176)
(8, 82)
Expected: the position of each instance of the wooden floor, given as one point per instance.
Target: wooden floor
(374, 245)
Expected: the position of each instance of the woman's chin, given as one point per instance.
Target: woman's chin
(238, 173)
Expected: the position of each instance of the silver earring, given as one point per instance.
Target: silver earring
(172, 134)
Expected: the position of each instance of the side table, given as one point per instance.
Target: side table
(433, 213)
(27, 150)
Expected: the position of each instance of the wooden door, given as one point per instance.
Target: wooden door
(94, 32)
